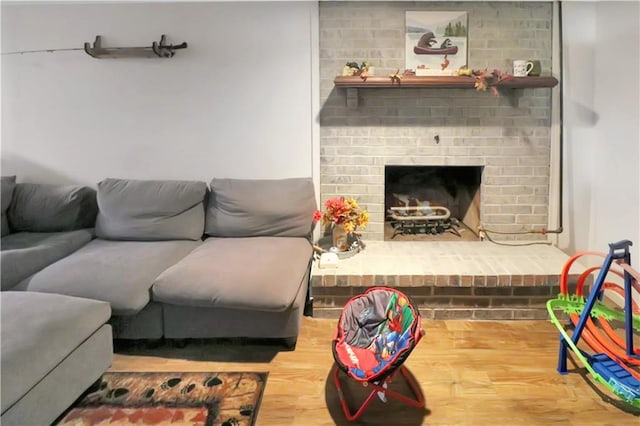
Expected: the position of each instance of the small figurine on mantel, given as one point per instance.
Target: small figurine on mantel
(352, 68)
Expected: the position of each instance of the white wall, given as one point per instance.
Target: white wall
(240, 101)
(236, 103)
(580, 121)
(601, 125)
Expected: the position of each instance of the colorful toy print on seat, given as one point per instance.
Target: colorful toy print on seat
(375, 335)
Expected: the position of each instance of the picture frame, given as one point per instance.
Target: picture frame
(436, 42)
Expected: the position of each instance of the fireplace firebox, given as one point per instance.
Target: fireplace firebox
(432, 202)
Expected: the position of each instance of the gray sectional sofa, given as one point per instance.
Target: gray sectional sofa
(142, 259)
(183, 259)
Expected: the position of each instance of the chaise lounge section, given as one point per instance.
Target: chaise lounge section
(53, 348)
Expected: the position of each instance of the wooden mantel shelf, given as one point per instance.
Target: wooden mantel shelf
(353, 83)
(445, 82)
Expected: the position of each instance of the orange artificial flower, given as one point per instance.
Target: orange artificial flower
(341, 211)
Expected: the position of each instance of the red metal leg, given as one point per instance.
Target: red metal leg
(413, 385)
(411, 381)
(343, 402)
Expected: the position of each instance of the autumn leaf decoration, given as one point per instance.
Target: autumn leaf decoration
(445, 63)
(395, 77)
(481, 80)
(485, 79)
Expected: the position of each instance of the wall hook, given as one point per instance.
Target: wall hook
(166, 51)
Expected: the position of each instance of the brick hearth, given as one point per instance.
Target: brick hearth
(449, 280)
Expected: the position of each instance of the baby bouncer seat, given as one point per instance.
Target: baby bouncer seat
(376, 333)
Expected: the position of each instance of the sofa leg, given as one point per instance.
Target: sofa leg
(153, 343)
(179, 343)
(308, 308)
(290, 342)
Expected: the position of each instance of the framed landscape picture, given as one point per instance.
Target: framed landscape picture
(436, 42)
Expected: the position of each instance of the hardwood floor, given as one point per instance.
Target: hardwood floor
(471, 373)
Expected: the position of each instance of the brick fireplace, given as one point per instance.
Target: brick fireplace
(507, 137)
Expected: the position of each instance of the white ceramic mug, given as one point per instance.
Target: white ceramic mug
(521, 68)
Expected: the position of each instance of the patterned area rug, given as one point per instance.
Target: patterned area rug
(225, 399)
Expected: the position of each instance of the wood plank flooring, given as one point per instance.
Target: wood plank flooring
(471, 372)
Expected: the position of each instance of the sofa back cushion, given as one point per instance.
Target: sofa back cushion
(150, 210)
(262, 207)
(6, 193)
(39, 207)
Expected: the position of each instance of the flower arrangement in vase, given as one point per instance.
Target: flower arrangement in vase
(345, 216)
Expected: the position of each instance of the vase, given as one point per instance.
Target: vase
(340, 238)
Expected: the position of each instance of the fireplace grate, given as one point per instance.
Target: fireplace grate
(428, 220)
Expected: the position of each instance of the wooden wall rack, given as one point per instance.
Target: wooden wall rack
(158, 49)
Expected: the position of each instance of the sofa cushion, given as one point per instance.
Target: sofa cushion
(25, 253)
(257, 273)
(251, 208)
(6, 193)
(38, 332)
(150, 210)
(38, 207)
(118, 272)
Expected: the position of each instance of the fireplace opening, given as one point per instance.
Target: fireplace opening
(432, 203)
